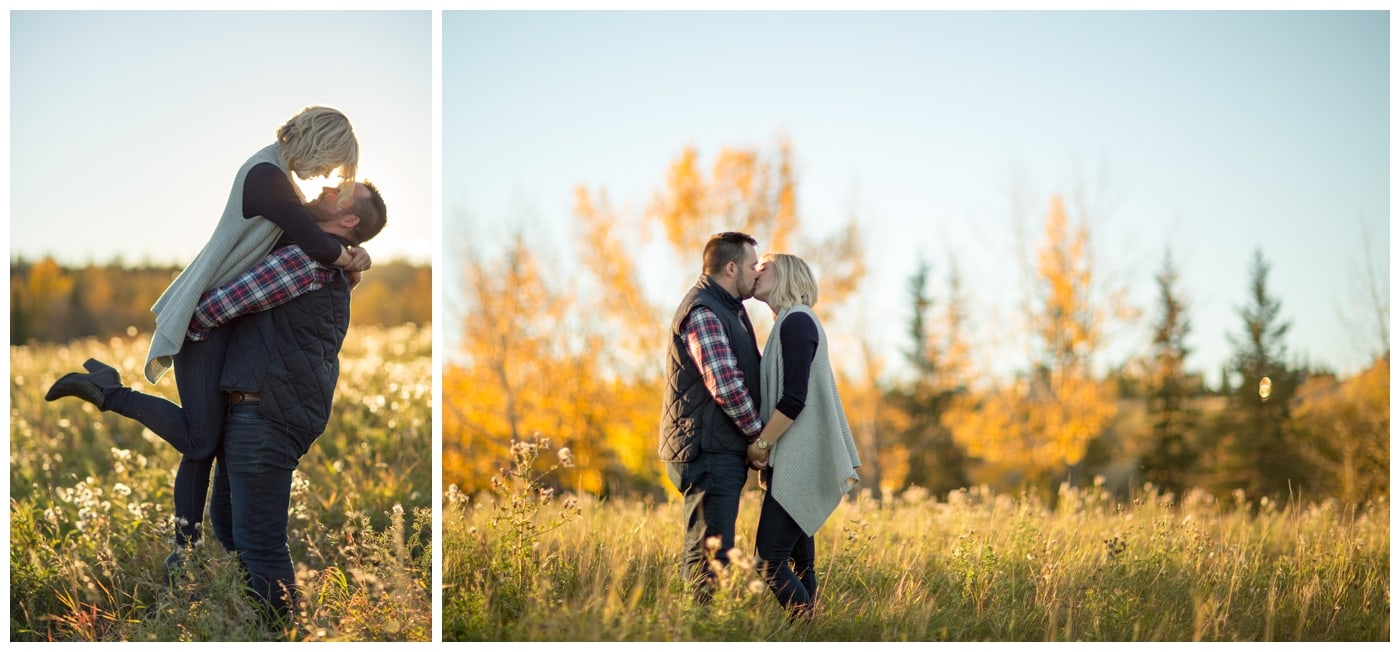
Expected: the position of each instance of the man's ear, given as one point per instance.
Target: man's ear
(350, 220)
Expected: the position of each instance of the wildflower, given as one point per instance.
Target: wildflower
(756, 587)
(566, 457)
(712, 544)
(740, 559)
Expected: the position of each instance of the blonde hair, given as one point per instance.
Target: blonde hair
(795, 284)
(316, 142)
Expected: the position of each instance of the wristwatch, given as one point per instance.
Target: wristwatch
(762, 444)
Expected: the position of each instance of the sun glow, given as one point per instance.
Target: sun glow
(311, 188)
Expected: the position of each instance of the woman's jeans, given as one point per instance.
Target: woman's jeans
(780, 540)
(252, 492)
(193, 427)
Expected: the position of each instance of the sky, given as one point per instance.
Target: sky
(1210, 133)
(127, 128)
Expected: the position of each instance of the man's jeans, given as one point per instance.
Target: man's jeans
(711, 485)
(252, 491)
(778, 540)
(193, 427)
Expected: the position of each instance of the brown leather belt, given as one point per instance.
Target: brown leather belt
(234, 398)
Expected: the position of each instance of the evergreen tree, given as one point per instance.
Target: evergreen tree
(1258, 455)
(934, 460)
(1171, 453)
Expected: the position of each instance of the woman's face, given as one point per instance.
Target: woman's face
(767, 279)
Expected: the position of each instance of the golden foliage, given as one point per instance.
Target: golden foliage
(526, 373)
(745, 191)
(1347, 425)
(1046, 419)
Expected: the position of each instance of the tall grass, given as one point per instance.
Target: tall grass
(90, 509)
(970, 566)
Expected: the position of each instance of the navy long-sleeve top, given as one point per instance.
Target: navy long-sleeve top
(798, 337)
(268, 192)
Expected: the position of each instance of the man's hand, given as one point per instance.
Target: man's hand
(359, 259)
(354, 278)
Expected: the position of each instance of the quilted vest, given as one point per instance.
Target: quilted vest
(691, 420)
(290, 354)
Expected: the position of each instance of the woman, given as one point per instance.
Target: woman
(263, 206)
(805, 450)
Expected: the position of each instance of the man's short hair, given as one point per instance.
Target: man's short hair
(725, 248)
(372, 215)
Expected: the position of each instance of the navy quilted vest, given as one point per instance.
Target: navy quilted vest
(691, 420)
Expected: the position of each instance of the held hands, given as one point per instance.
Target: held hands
(758, 457)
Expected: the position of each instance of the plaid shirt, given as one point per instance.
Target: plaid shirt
(285, 274)
(709, 348)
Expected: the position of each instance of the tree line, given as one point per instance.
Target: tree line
(50, 302)
(574, 355)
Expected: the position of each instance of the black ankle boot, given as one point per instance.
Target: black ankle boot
(91, 387)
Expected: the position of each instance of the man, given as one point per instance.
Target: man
(279, 376)
(709, 414)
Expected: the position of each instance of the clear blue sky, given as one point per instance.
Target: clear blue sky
(1211, 133)
(126, 128)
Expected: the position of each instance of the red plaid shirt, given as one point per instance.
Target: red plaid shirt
(285, 274)
(709, 348)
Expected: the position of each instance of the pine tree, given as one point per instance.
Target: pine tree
(1258, 454)
(929, 455)
(1169, 458)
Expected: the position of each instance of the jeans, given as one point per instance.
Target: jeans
(193, 427)
(252, 492)
(779, 541)
(711, 485)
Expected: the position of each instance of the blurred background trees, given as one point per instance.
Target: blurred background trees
(574, 352)
(50, 302)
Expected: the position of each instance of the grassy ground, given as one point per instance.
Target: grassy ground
(972, 566)
(90, 504)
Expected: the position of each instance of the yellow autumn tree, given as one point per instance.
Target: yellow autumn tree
(1043, 422)
(1347, 426)
(523, 373)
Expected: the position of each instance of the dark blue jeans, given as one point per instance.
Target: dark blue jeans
(252, 491)
(193, 427)
(780, 540)
(711, 485)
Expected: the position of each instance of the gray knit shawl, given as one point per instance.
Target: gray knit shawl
(236, 245)
(814, 462)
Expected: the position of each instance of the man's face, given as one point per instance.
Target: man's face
(325, 209)
(748, 272)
